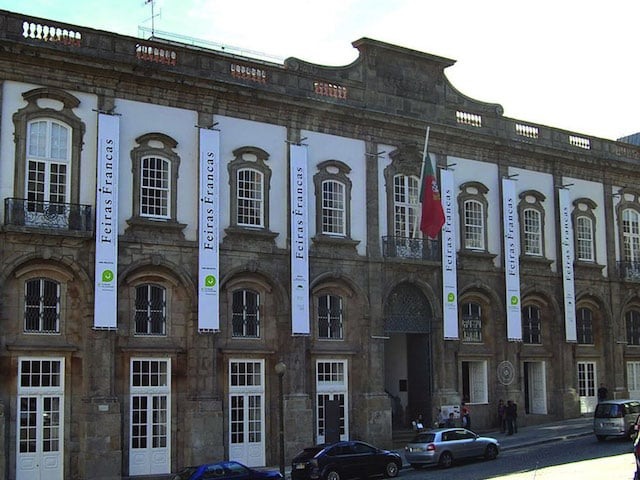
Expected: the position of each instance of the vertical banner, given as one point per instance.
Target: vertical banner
(566, 241)
(208, 251)
(449, 260)
(299, 241)
(106, 263)
(512, 260)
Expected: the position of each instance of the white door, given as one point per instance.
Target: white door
(40, 419)
(537, 388)
(332, 384)
(246, 412)
(633, 379)
(587, 386)
(150, 417)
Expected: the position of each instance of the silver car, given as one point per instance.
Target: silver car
(441, 446)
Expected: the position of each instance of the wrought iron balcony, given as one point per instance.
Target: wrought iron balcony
(629, 271)
(412, 248)
(20, 212)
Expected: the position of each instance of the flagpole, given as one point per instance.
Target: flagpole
(424, 157)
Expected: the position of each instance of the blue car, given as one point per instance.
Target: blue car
(224, 470)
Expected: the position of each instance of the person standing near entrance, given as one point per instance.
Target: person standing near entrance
(511, 415)
(466, 416)
(502, 416)
(602, 392)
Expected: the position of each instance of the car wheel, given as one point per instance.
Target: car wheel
(391, 470)
(601, 438)
(332, 475)
(446, 460)
(491, 452)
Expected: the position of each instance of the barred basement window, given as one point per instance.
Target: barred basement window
(584, 326)
(330, 317)
(471, 322)
(632, 319)
(246, 314)
(150, 315)
(42, 306)
(531, 325)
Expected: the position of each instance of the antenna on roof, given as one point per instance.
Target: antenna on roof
(153, 16)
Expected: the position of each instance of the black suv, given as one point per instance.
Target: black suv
(344, 460)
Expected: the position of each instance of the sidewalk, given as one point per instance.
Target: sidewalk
(537, 434)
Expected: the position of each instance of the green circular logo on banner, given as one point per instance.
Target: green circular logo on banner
(107, 276)
(514, 300)
(210, 281)
(451, 297)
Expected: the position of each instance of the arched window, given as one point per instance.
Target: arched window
(531, 325)
(249, 182)
(631, 234)
(150, 310)
(333, 199)
(245, 313)
(42, 306)
(584, 326)
(330, 319)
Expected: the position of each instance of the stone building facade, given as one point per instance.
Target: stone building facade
(157, 392)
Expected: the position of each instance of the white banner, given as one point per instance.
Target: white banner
(106, 263)
(299, 241)
(566, 239)
(208, 251)
(449, 260)
(512, 260)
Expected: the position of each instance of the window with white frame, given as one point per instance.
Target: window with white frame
(471, 322)
(532, 226)
(406, 206)
(633, 378)
(249, 181)
(531, 325)
(631, 234)
(632, 321)
(245, 314)
(585, 251)
(333, 208)
(150, 310)
(473, 225)
(331, 386)
(249, 198)
(330, 317)
(584, 326)
(42, 306)
(474, 382)
(48, 159)
(586, 379)
(155, 191)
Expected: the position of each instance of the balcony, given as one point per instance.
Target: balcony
(19, 212)
(412, 248)
(629, 271)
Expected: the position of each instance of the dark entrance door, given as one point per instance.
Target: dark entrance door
(332, 421)
(419, 375)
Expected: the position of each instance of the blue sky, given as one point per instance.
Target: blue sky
(569, 64)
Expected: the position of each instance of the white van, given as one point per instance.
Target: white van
(615, 418)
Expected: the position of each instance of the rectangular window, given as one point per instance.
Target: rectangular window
(250, 198)
(333, 208)
(471, 322)
(532, 232)
(246, 314)
(150, 316)
(633, 379)
(587, 379)
(473, 225)
(474, 382)
(584, 239)
(406, 206)
(154, 187)
(330, 317)
(42, 306)
(632, 318)
(531, 325)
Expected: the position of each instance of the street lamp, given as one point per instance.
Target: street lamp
(281, 368)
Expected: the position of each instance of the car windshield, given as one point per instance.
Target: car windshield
(423, 438)
(185, 473)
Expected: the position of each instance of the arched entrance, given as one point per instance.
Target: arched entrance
(408, 368)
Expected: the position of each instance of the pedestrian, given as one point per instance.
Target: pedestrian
(418, 424)
(511, 412)
(451, 422)
(466, 416)
(602, 392)
(442, 418)
(502, 416)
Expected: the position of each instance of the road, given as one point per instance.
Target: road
(581, 458)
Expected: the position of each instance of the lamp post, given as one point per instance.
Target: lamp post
(281, 368)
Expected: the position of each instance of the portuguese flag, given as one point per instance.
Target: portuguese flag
(432, 217)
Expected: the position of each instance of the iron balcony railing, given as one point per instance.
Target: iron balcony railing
(20, 212)
(629, 270)
(412, 248)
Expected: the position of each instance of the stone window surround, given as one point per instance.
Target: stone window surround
(242, 160)
(405, 160)
(149, 276)
(474, 191)
(629, 199)
(339, 289)
(584, 207)
(532, 199)
(337, 171)
(34, 111)
(254, 283)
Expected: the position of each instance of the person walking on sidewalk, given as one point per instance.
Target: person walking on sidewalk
(511, 413)
(466, 416)
(502, 416)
